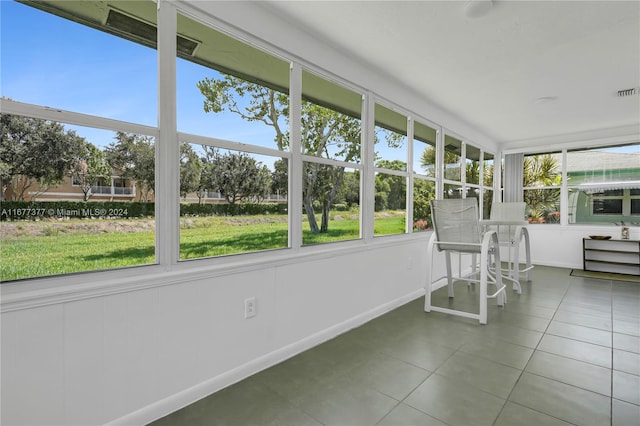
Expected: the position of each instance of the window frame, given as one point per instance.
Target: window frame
(167, 145)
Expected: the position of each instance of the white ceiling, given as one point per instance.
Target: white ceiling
(490, 70)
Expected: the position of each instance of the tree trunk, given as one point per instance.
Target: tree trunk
(324, 226)
(311, 216)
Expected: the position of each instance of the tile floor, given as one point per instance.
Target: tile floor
(566, 351)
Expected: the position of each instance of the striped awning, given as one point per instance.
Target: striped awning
(608, 185)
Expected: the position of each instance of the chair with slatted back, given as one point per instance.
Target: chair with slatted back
(507, 219)
(457, 229)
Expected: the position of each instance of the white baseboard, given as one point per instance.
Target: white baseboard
(188, 396)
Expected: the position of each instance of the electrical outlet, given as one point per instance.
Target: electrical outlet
(250, 307)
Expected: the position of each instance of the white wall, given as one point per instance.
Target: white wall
(134, 356)
(556, 245)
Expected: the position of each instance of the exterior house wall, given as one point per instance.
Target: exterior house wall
(67, 191)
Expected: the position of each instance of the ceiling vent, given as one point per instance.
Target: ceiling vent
(628, 92)
(143, 32)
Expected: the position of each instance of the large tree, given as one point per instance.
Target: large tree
(35, 154)
(325, 133)
(133, 156)
(238, 177)
(89, 168)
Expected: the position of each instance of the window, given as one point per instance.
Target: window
(60, 188)
(424, 176)
(452, 159)
(331, 132)
(234, 172)
(391, 172)
(62, 73)
(542, 178)
(246, 182)
(231, 202)
(472, 172)
(604, 184)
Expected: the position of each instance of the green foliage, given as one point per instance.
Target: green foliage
(541, 171)
(239, 177)
(223, 209)
(423, 191)
(280, 177)
(34, 152)
(190, 170)
(391, 191)
(133, 157)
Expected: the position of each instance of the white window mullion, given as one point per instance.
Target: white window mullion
(564, 192)
(439, 164)
(295, 161)
(167, 150)
(367, 180)
(409, 194)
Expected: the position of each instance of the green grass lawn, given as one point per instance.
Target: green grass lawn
(71, 246)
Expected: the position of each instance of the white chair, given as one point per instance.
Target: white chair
(458, 230)
(507, 219)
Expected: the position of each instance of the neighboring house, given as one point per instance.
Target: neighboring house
(603, 187)
(107, 189)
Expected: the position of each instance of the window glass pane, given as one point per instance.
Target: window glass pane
(390, 204)
(541, 170)
(452, 191)
(635, 207)
(452, 161)
(229, 90)
(602, 182)
(331, 129)
(607, 168)
(424, 150)
(391, 139)
(607, 206)
(472, 164)
(488, 170)
(331, 120)
(66, 65)
(331, 200)
(542, 177)
(74, 199)
(487, 201)
(423, 192)
(231, 202)
(472, 192)
(543, 205)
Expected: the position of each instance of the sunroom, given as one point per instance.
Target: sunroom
(283, 156)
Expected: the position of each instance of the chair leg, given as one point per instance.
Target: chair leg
(527, 252)
(449, 276)
(516, 267)
(429, 283)
(484, 266)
